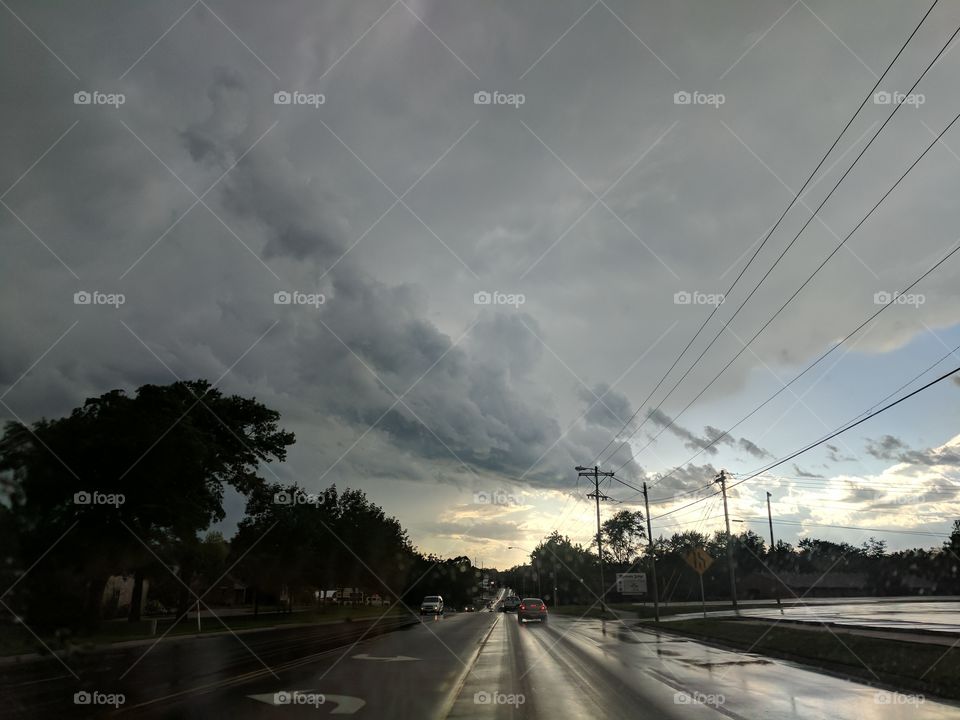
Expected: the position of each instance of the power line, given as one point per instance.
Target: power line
(787, 248)
(822, 440)
(770, 232)
(772, 229)
(849, 527)
(849, 427)
(907, 383)
(816, 362)
(795, 293)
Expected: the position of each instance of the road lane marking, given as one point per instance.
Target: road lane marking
(241, 679)
(345, 704)
(396, 658)
(451, 700)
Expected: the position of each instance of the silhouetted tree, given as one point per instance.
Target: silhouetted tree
(125, 479)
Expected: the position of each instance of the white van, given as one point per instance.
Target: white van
(432, 605)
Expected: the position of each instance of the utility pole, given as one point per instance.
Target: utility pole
(772, 546)
(596, 474)
(653, 561)
(556, 593)
(722, 480)
(539, 590)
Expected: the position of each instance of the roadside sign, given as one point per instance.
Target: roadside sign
(632, 583)
(699, 559)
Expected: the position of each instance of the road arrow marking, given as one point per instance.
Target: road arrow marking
(397, 658)
(343, 704)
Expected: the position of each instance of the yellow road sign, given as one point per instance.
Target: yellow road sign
(699, 559)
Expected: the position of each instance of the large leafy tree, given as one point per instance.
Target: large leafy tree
(294, 542)
(622, 535)
(566, 565)
(168, 452)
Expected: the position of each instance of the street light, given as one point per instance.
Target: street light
(515, 547)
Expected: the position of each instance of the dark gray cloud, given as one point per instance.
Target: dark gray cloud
(686, 478)
(836, 456)
(690, 439)
(306, 199)
(893, 448)
(804, 473)
(710, 442)
(886, 448)
(753, 449)
(607, 407)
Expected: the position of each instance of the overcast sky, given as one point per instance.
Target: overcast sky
(586, 198)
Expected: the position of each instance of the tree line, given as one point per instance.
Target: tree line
(569, 572)
(132, 484)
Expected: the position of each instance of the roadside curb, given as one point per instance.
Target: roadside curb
(850, 628)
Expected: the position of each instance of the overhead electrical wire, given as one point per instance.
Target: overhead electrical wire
(812, 445)
(787, 248)
(797, 292)
(849, 527)
(820, 359)
(769, 232)
(844, 429)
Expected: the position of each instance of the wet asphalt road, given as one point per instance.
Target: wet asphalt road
(485, 665)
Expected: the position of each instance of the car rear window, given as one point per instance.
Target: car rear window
(532, 601)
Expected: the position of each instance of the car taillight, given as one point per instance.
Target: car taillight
(522, 607)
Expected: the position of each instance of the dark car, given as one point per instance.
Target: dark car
(532, 609)
(511, 604)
